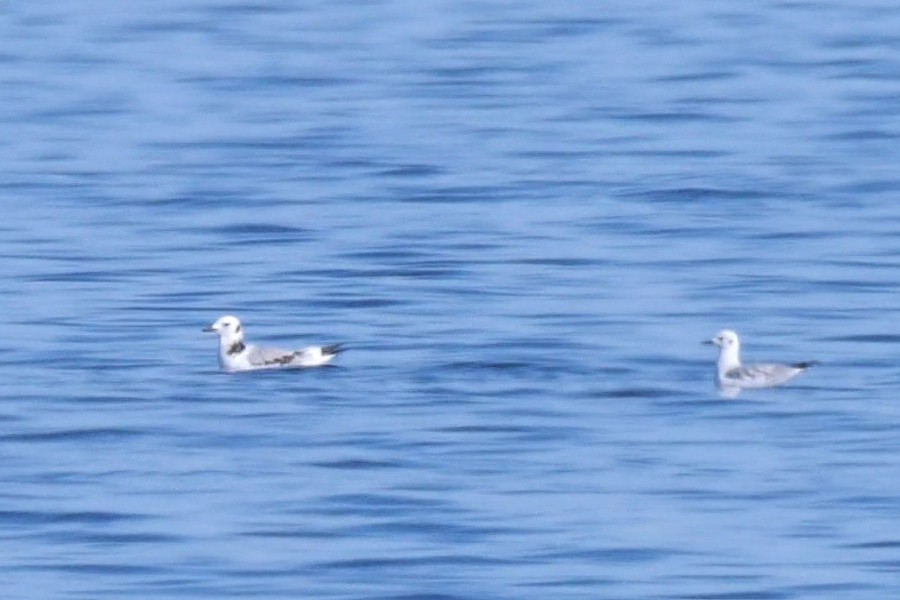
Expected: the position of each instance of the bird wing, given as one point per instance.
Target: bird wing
(762, 375)
(269, 357)
(311, 356)
(314, 356)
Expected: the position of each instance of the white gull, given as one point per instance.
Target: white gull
(237, 355)
(732, 376)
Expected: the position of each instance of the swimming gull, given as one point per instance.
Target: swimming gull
(732, 377)
(237, 355)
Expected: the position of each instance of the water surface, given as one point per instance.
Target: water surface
(522, 218)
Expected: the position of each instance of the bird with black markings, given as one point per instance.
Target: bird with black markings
(732, 376)
(237, 355)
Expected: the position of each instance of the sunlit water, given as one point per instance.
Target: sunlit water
(522, 218)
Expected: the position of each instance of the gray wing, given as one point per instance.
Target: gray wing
(764, 374)
(270, 357)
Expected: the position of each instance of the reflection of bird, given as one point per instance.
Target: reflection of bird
(732, 377)
(235, 355)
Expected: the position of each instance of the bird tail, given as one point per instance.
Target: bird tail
(332, 349)
(806, 365)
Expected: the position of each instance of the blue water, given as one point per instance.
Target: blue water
(522, 218)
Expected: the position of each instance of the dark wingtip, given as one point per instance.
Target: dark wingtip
(806, 365)
(333, 349)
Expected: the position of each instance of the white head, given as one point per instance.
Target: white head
(228, 328)
(730, 347)
(725, 340)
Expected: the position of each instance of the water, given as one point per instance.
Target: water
(522, 217)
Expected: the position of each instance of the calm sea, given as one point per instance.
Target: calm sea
(522, 217)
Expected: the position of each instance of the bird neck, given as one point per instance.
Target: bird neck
(729, 358)
(233, 344)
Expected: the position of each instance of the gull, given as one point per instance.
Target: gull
(236, 355)
(732, 377)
